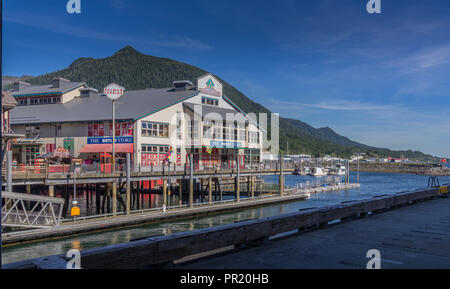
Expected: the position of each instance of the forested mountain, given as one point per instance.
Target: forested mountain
(135, 70)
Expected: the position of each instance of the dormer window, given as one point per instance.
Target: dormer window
(210, 101)
(182, 85)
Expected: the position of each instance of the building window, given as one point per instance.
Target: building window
(218, 133)
(150, 129)
(22, 101)
(207, 132)
(210, 101)
(155, 149)
(163, 130)
(207, 129)
(122, 129)
(32, 132)
(193, 129)
(31, 154)
(253, 137)
(228, 131)
(242, 135)
(96, 130)
(153, 155)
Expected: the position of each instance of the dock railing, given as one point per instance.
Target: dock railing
(87, 170)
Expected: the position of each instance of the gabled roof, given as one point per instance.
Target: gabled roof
(134, 105)
(8, 100)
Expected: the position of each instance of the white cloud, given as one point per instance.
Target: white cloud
(422, 61)
(53, 25)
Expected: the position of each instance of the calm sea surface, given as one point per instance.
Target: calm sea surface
(371, 184)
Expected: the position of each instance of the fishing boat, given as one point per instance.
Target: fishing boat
(317, 172)
(338, 170)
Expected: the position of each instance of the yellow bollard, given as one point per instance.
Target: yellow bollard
(443, 190)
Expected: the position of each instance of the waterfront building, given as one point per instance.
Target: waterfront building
(8, 135)
(151, 124)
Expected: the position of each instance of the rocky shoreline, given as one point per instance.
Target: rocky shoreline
(402, 168)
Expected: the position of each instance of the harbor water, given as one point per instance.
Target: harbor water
(371, 184)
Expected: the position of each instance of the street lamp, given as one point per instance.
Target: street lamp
(114, 92)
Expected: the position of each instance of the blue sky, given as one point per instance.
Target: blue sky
(382, 79)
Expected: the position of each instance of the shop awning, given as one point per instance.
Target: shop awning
(107, 148)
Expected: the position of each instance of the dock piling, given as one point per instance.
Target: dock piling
(114, 198)
(281, 177)
(237, 179)
(191, 181)
(210, 190)
(128, 185)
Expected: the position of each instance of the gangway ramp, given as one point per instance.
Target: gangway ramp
(31, 211)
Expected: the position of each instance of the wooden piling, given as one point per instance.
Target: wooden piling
(281, 177)
(238, 179)
(128, 198)
(191, 181)
(165, 193)
(253, 186)
(210, 190)
(180, 192)
(114, 198)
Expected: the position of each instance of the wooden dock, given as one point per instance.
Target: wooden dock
(150, 216)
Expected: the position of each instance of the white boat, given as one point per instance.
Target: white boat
(338, 170)
(317, 172)
(341, 170)
(306, 171)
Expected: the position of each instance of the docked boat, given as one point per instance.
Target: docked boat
(299, 171)
(317, 172)
(338, 170)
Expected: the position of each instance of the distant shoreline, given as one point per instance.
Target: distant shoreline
(402, 168)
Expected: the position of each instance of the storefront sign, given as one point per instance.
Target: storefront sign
(225, 144)
(69, 144)
(108, 140)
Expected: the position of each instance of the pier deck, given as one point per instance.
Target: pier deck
(410, 237)
(40, 175)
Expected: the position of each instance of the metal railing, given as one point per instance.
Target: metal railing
(31, 211)
(63, 170)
